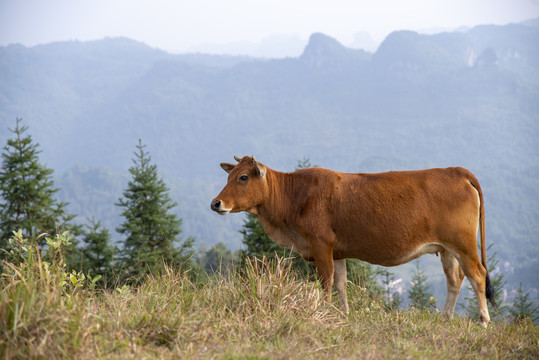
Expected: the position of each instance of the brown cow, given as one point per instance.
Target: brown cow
(386, 219)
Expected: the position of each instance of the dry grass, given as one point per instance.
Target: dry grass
(263, 313)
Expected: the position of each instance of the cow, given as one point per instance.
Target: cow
(387, 219)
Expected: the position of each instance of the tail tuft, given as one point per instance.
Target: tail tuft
(490, 292)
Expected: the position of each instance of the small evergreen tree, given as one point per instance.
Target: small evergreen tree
(151, 230)
(97, 253)
(391, 298)
(218, 258)
(304, 164)
(27, 192)
(419, 294)
(522, 307)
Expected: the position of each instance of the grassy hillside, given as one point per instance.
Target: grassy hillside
(262, 313)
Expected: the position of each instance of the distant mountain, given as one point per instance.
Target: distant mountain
(463, 98)
(324, 52)
(408, 50)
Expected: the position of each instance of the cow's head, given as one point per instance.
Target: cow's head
(246, 187)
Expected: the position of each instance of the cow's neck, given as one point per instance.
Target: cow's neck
(277, 207)
(276, 213)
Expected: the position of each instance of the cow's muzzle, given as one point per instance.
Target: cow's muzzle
(217, 206)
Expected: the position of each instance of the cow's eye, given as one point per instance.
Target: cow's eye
(243, 178)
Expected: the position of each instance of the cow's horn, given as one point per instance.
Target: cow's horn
(237, 158)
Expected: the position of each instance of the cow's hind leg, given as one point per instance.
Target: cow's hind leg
(477, 275)
(454, 276)
(341, 282)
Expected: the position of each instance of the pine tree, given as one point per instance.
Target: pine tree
(97, 253)
(304, 164)
(151, 230)
(218, 258)
(391, 298)
(523, 308)
(419, 294)
(27, 191)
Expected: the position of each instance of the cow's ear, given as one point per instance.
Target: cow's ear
(227, 167)
(259, 170)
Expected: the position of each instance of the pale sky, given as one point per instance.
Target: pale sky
(181, 25)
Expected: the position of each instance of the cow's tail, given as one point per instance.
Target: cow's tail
(489, 289)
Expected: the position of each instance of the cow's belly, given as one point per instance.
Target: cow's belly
(405, 257)
(388, 255)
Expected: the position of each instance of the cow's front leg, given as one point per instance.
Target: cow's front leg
(323, 257)
(325, 271)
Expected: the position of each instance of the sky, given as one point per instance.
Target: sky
(231, 25)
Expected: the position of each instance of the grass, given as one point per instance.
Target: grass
(262, 313)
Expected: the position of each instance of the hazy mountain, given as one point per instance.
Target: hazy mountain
(325, 53)
(463, 98)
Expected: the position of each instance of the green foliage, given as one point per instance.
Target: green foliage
(97, 255)
(151, 230)
(304, 164)
(218, 258)
(27, 191)
(419, 294)
(25, 259)
(523, 308)
(35, 284)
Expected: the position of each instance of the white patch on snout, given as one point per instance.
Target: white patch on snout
(221, 210)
